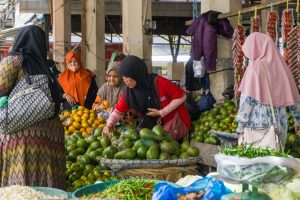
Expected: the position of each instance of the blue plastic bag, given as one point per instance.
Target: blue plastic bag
(214, 189)
(206, 101)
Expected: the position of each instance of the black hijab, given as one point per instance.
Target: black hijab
(30, 44)
(52, 66)
(144, 94)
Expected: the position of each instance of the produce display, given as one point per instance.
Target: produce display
(292, 145)
(82, 166)
(16, 192)
(272, 23)
(80, 120)
(293, 51)
(147, 144)
(238, 57)
(255, 24)
(256, 166)
(249, 152)
(128, 189)
(220, 118)
(287, 25)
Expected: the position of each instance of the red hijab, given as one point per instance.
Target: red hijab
(76, 83)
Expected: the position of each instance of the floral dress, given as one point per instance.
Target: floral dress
(253, 114)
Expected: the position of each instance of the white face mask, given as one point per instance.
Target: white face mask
(73, 65)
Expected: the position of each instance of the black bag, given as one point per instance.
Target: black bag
(192, 106)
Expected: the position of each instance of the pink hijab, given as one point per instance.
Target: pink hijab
(259, 48)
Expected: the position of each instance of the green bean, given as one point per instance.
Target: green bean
(128, 189)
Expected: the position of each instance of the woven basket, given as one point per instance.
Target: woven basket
(171, 174)
(121, 164)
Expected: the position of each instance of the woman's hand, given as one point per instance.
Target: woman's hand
(99, 108)
(107, 130)
(153, 112)
(70, 99)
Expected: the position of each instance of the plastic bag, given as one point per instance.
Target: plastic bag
(206, 101)
(214, 189)
(199, 69)
(257, 171)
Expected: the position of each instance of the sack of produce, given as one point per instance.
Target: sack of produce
(256, 166)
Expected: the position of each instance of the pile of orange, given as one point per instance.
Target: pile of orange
(105, 104)
(82, 120)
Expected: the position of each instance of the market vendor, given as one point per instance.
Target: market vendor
(78, 84)
(154, 98)
(254, 108)
(111, 90)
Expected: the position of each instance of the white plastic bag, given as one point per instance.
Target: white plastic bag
(198, 67)
(257, 171)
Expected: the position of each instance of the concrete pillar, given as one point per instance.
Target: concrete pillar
(135, 40)
(93, 36)
(61, 31)
(221, 80)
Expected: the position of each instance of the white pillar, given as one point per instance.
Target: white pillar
(61, 30)
(135, 40)
(93, 36)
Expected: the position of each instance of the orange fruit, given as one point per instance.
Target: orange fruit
(82, 129)
(86, 111)
(80, 108)
(92, 112)
(107, 109)
(67, 132)
(74, 111)
(85, 125)
(77, 118)
(94, 125)
(92, 118)
(76, 125)
(90, 121)
(101, 120)
(84, 133)
(88, 129)
(80, 112)
(101, 125)
(67, 114)
(72, 128)
(106, 104)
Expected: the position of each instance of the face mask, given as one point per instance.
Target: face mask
(73, 67)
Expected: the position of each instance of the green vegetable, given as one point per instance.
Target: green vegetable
(249, 152)
(128, 189)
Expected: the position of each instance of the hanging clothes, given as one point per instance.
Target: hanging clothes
(204, 30)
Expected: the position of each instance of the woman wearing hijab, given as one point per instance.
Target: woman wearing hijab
(34, 156)
(78, 83)
(111, 90)
(254, 109)
(153, 97)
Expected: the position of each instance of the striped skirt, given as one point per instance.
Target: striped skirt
(34, 156)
